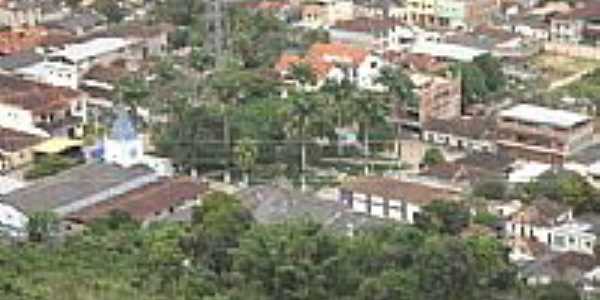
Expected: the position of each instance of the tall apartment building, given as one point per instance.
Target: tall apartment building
(438, 98)
(541, 134)
(449, 13)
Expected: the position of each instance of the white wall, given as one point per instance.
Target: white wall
(15, 117)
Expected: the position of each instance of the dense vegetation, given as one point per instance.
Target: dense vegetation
(224, 254)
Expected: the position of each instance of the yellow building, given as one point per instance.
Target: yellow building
(16, 148)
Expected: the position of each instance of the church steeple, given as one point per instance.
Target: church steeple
(123, 145)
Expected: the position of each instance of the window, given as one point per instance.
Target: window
(571, 240)
(373, 65)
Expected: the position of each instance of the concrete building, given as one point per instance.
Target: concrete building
(438, 98)
(471, 134)
(537, 133)
(457, 14)
(582, 24)
(41, 109)
(390, 198)
(16, 148)
(325, 13)
(374, 34)
(538, 220)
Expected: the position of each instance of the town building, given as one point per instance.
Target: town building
(20, 13)
(390, 198)
(455, 14)
(21, 39)
(79, 187)
(152, 202)
(325, 13)
(335, 61)
(438, 98)
(537, 133)
(557, 267)
(41, 109)
(374, 34)
(16, 148)
(538, 220)
(579, 25)
(471, 134)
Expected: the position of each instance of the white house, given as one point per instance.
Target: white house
(336, 61)
(575, 237)
(390, 198)
(52, 73)
(41, 109)
(538, 221)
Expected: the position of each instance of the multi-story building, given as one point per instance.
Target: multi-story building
(325, 13)
(537, 133)
(449, 13)
(581, 24)
(438, 98)
(375, 34)
(23, 13)
(41, 109)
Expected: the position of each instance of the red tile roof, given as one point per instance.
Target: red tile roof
(12, 140)
(338, 52)
(145, 202)
(389, 188)
(35, 97)
(21, 39)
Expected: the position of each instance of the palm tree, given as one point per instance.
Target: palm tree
(247, 154)
(369, 109)
(401, 90)
(224, 85)
(339, 94)
(303, 111)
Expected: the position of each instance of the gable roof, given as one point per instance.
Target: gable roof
(541, 212)
(32, 96)
(337, 52)
(12, 140)
(144, 202)
(273, 204)
(70, 187)
(389, 188)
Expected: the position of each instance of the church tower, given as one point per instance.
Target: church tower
(123, 146)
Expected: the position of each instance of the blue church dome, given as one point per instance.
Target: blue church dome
(123, 128)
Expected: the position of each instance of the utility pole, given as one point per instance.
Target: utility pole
(216, 23)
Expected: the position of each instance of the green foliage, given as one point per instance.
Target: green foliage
(492, 69)
(432, 157)
(400, 86)
(224, 255)
(445, 217)
(42, 226)
(486, 219)
(491, 189)
(556, 291)
(566, 187)
(110, 9)
(49, 165)
(480, 78)
(246, 154)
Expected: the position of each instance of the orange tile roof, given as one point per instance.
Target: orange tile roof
(338, 52)
(286, 61)
(21, 39)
